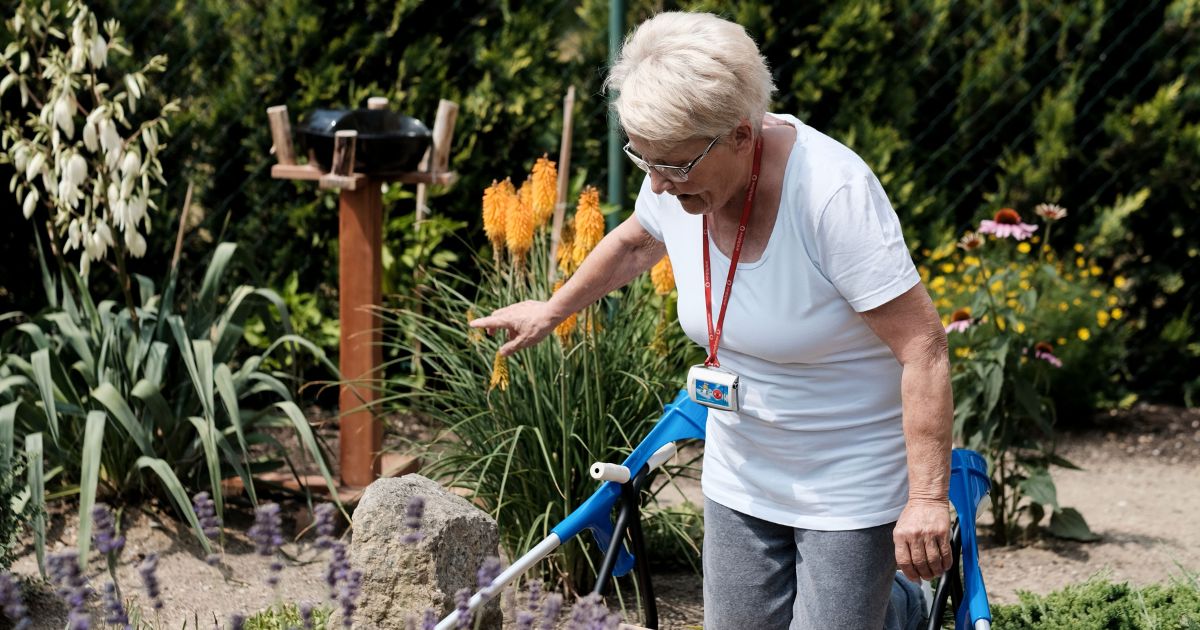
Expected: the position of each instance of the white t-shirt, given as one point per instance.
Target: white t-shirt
(818, 442)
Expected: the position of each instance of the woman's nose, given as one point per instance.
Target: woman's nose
(660, 184)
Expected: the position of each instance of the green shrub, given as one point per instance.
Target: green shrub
(1099, 603)
(13, 501)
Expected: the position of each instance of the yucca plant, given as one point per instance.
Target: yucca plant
(129, 410)
(520, 433)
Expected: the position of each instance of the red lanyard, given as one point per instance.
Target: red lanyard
(714, 334)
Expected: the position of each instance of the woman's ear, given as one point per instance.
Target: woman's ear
(743, 136)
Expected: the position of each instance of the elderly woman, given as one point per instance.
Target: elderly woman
(833, 469)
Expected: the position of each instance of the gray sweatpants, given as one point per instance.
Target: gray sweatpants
(763, 576)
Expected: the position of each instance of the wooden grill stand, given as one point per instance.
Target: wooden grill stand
(360, 270)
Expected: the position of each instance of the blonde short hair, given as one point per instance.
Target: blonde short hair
(689, 75)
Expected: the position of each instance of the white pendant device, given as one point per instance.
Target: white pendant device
(713, 387)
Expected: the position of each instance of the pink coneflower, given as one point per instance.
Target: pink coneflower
(1045, 352)
(960, 321)
(1050, 211)
(970, 241)
(1007, 223)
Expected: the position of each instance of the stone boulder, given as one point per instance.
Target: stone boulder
(401, 581)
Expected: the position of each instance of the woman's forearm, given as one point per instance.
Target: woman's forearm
(618, 258)
(928, 424)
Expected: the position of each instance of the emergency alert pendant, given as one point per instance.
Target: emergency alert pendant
(710, 384)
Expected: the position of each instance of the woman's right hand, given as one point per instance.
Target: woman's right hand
(525, 322)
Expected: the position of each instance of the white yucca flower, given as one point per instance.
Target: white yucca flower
(93, 246)
(77, 169)
(74, 236)
(31, 199)
(111, 142)
(99, 52)
(130, 167)
(63, 110)
(20, 156)
(135, 243)
(34, 167)
(150, 139)
(135, 210)
(105, 233)
(132, 85)
(90, 140)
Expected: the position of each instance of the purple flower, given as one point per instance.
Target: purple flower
(114, 611)
(430, 621)
(267, 537)
(325, 514)
(552, 610)
(487, 571)
(350, 591)
(1007, 223)
(535, 596)
(78, 620)
(149, 572)
(590, 613)
(960, 321)
(210, 523)
(237, 621)
(462, 599)
(525, 620)
(72, 586)
(105, 533)
(306, 615)
(338, 568)
(1045, 352)
(412, 520)
(12, 603)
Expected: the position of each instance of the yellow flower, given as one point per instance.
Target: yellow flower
(1119, 282)
(1024, 284)
(1000, 322)
(962, 353)
(1117, 313)
(996, 286)
(1023, 248)
(566, 243)
(1095, 293)
(972, 261)
(518, 223)
(947, 267)
(495, 202)
(1062, 306)
(474, 335)
(1095, 270)
(1112, 300)
(1011, 303)
(1062, 341)
(1084, 334)
(662, 276)
(1080, 262)
(589, 225)
(545, 190)
(499, 373)
(1102, 318)
(1020, 327)
(1076, 302)
(1079, 247)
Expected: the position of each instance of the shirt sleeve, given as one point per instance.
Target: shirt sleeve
(860, 246)
(646, 210)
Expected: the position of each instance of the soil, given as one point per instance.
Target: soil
(1139, 489)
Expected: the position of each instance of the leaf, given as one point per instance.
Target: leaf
(1039, 487)
(41, 374)
(211, 286)
(310, 443)
(224, 382)
(116, 405)
(8, 419)
(34, 451)
(1069, 523)
(207, 431)
(178, 495)
(89, 478)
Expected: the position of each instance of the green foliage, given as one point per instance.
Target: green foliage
(12, 499)
(127, 407)
(1024, 322)
(1099, 603)
(287, 616)
(521, 433)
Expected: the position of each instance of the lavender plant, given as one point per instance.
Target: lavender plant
(210, 523)
(72, 586)
(12, 603)
(148, 571)
(267, 537)
(114, 610)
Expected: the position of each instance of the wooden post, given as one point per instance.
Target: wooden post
(564, 177)
(437, 158)
(360, 278)
(281, 134)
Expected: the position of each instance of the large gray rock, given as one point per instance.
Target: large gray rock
(403, 580)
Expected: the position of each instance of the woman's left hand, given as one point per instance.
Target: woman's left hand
(922, 538)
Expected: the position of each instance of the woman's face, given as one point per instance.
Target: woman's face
(719, 176)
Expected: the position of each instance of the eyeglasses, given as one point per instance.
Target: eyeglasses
(674, 173)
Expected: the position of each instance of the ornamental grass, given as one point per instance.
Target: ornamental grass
(520, 434)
